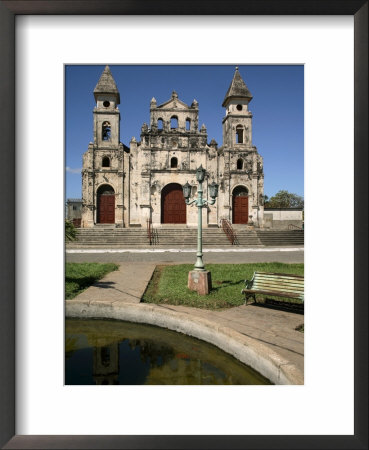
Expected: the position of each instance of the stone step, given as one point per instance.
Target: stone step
(186, 237)
(148, 247)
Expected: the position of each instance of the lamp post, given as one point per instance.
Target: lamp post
(195, 280)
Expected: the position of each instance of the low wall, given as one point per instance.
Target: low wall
(282, 218)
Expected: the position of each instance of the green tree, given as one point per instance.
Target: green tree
(285, 199)
(70, 231)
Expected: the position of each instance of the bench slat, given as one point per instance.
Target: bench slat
(276, 289)
(277, 279)
(272, 283)
(279, 275)
(291, 275)
(277, 293)
(290, 286)
(283, 279)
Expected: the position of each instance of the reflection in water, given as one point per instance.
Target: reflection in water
(114, 352)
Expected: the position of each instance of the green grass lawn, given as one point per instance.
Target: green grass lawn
(79, 276)
(169, 284)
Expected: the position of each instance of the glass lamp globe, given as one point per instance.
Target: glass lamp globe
(186, 190)
(213, 189)
(200, 174)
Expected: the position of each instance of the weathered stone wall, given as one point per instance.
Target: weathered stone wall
(151, 171)
(237, 118)
(249, 176)
(281, 219)
(94, 175)
(285, 213)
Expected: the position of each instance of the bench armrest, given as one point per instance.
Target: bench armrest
(249, 283)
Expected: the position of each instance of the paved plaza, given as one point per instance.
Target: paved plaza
(184, 256)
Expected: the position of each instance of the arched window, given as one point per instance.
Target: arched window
(240, 191)
(174, 122)
(173, 163)
(106, 131)
(239, 164)
(239, 134)
(239, 107)
(106, 161)
(160, 124)
(105, 189)
(188, 124)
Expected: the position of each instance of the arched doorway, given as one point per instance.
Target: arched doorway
(240, 205)
(173, 206)
(105, 204)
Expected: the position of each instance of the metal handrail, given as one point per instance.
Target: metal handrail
(291, 226)
(229, 231)
(150, 233)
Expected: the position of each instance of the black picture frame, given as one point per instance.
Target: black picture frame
(8, 11)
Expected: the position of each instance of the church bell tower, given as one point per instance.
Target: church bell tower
(237, 123)
(106, 112)
(102, 169)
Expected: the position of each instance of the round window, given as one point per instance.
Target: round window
(106, 104)
(239, 107)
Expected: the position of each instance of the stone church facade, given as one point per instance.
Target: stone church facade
(127, 186)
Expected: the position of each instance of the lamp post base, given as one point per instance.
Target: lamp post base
(199, 281)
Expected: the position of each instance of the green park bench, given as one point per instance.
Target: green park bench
(274, 284)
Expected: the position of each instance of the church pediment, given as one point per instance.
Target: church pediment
(174, 103)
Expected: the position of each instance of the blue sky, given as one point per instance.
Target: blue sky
(277, 107)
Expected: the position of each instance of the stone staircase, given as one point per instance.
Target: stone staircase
(175, 237)
(281, 238)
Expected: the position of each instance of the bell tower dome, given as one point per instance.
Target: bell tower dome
(106, 112)
(237, 123)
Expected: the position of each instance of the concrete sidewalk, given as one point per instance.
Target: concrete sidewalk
(272, 327)
(127, 284)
